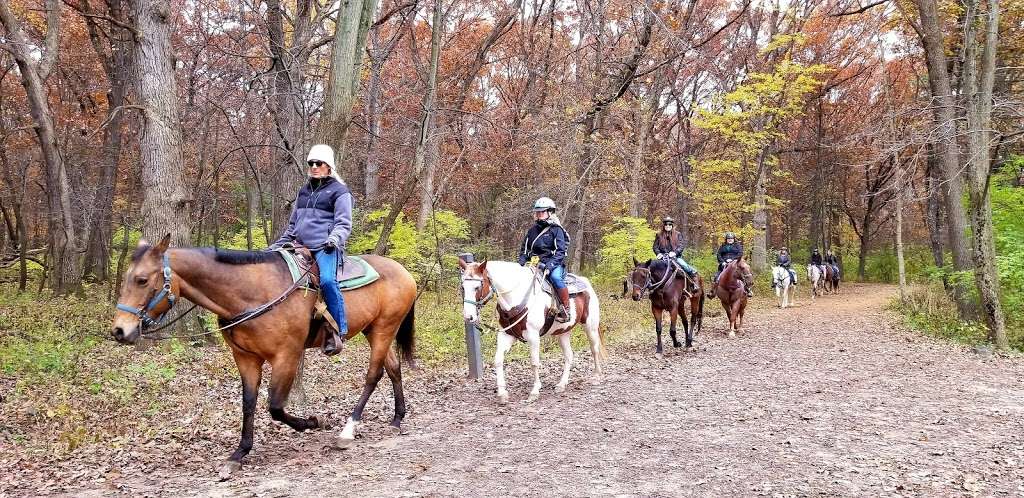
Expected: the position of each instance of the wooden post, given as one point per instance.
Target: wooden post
(476, 362)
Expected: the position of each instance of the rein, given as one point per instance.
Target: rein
(491, 293)
(147, 321)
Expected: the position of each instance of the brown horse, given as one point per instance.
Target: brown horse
(732, 287)
(232, 283)
(831, 279)
(669, 291)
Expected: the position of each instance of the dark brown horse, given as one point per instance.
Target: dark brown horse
(232, 283)
(669, 290)
(831, 280)
(732, 287)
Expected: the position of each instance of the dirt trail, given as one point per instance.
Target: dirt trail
(829, 398)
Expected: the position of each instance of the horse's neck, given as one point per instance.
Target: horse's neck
(224, 289)
(729, 274)
(511, 283)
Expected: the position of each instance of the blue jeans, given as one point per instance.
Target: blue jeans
(557, 277)
(691, 271)
(328, 263)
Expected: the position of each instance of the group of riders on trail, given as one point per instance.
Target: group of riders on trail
(321, 221)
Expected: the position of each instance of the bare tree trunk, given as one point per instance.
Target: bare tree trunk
(644, 117)
(65, 250)
(944, 111)
(353, 22)
(899, 247)
(424, 164)
(979, 84)
(934, 216)
(759, 256)
(164, 196)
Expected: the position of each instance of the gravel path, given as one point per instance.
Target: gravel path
(829, 398)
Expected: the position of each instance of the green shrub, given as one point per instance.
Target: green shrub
(626, 238)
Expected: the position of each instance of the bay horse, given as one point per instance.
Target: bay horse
(732, 287)
(236, 284)
(831, 279)
(782, 282)
(524, 315)
(667, 287)
(817, 280)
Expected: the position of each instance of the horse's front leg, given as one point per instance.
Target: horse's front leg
(533, 337)
(673, 316)
(658, 351)
(505, 342)
(250, 368)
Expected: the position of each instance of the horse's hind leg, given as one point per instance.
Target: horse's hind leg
(394, 370)
(250, 368)
(565, 340)
(379, 349)
(658, 315)
(592, 326)
(285, 366)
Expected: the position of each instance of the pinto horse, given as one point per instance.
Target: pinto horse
(732, 287)
(524, 314)
(232, 284)
(817, 280)
(783, 283)
(667, 288)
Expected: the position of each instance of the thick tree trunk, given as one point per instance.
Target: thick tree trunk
(353, 22)
(164, 196)
(944, 112)
(979, 85)
(934, 214)
(759, 248)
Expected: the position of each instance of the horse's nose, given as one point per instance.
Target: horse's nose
(118, 333)
(636, 297)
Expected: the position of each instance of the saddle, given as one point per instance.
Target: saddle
(573, 282)
(353, 272)
(579, 305)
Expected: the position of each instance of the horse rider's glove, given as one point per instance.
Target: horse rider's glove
(331, 244)
(672, 254)
(522, 260)
(540, 266)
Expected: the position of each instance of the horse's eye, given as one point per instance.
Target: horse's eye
(141, 280)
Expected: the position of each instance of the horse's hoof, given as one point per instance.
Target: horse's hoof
(321, 421)
(396, 430)
(659, 356)
(677, 344)
(732, 334)
(341, 442)
(560, 388)
(503, 399)
(227, 469)
(533, 397)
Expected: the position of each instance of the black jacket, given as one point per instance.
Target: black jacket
(665, 243)
(547, 241)
(816, 259)
(730, 251)
(832, 260)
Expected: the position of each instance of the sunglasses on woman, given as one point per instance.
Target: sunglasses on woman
(316, 164)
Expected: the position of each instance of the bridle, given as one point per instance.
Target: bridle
(649, 284)
(479, 302)
(164, 293)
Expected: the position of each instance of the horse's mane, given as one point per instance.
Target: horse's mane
(233, 257)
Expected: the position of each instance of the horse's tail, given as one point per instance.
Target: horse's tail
(406, 337)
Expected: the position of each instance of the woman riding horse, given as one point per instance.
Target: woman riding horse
(547, 241)
(730, 250)
(785, 261)
(669, 243)
(321, 220)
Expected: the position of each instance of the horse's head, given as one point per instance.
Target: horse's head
(147, 291)
(639, 279)
(476, 289)
(745, 274)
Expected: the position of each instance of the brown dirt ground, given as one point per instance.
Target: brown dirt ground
(830, 398)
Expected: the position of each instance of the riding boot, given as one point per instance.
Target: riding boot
(563, 308)
(333, 342)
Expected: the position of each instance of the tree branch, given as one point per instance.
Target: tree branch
(860, 10)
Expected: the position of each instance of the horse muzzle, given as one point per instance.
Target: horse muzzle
(126, 335)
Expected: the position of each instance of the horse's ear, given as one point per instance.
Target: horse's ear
(483, 266)
(163, 245)
(635, 262)
(646, 264)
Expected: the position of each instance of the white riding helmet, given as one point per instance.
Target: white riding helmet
(323, 153)
(544, 204)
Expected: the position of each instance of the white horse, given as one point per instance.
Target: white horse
(523, 314)
(783, 283)
(817, 280)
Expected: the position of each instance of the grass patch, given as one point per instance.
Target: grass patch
(928, 309)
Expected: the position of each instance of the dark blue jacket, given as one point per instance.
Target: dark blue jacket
(322, 211)
(816, 259)
(831, 260)
(784, 260)
(729, 251)
(547, 241)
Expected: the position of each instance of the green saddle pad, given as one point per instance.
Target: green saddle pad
(353, 272)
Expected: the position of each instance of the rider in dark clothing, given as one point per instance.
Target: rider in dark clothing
(816, 258)
(731, 250)
(669, 243)
(547, 240)
(830, 259)
(786, 262)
